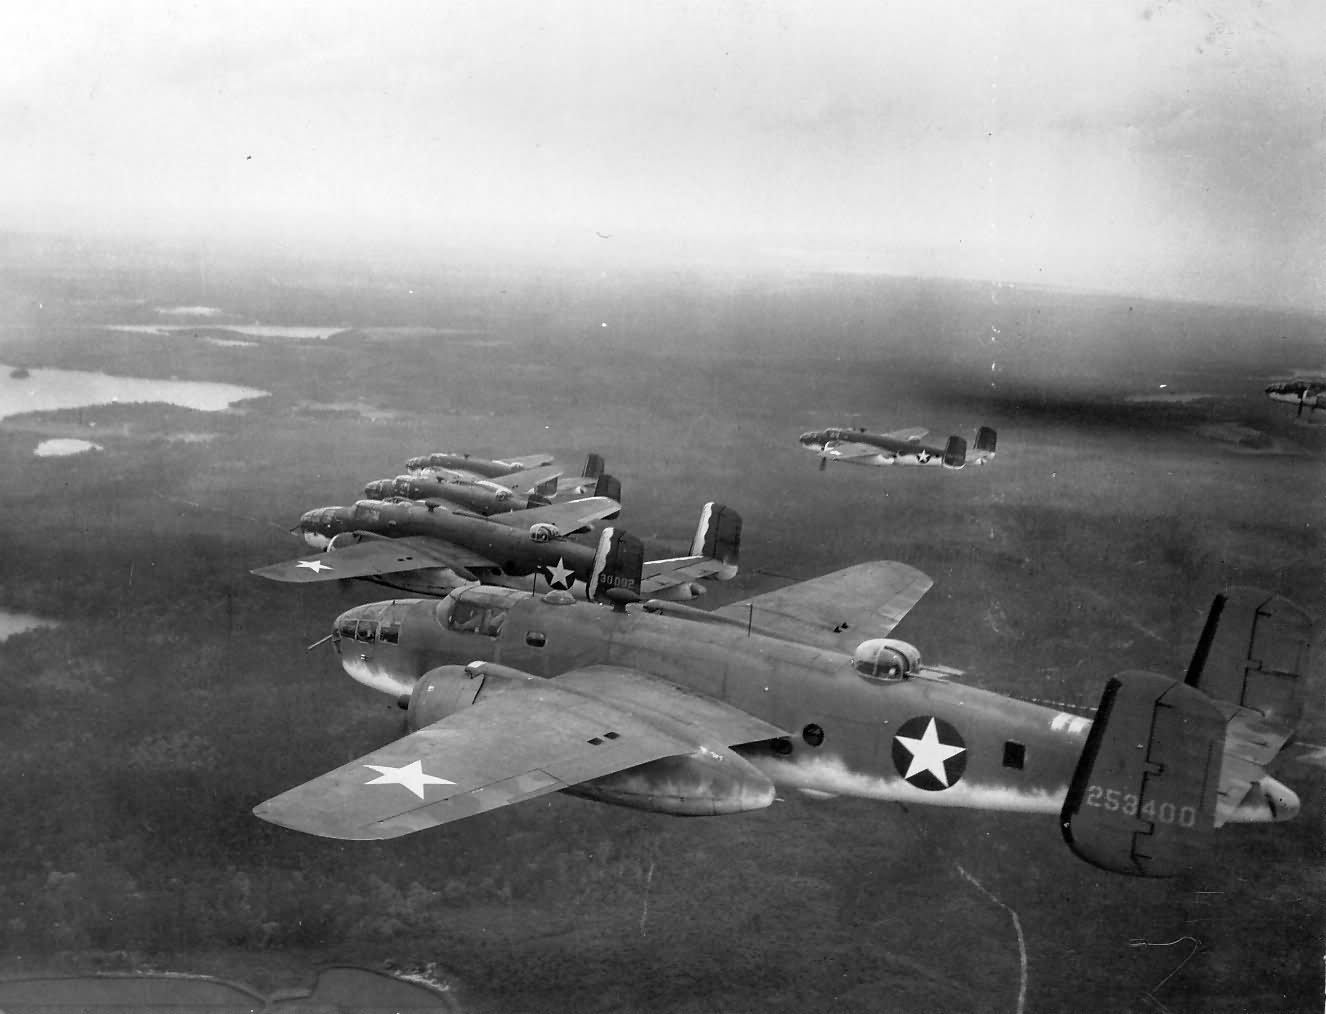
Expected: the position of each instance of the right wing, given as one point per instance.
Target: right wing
(529, 461)
(533, 738)
(913, 435)
(567, 517)
(839, 610)
(527, 480)
(374, 556)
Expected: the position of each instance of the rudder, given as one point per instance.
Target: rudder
(1145, 790)
(611, 487)
(618, 563)
(718, 537)
(955, 452)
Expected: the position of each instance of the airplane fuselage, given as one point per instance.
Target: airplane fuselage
(476, 495)
(891, 450)
(1303, 393)
(519, 551)
(465, 465)
(924, 739)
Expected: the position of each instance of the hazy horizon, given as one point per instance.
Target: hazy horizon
(1159, 150)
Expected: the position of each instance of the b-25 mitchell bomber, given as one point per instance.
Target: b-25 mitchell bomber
(902, 447)
(425, 548)
(515, 492)
(667, 708)
(476, 468)
(1302, 392)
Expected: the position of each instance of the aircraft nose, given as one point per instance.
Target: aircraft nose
(378, 489)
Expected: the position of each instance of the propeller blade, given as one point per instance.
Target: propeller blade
(824, 463)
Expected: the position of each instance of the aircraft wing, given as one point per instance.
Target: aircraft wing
(530, 461)
(374, 556)
(567, 517)
(913, 435)
(839, 610)
(659, 575)
(524, 482)
(841, 450)
(1251, 743)
(531, 739)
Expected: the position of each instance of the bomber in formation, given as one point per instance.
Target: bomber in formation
(901, 447)
(1303, 392)
(656, 705)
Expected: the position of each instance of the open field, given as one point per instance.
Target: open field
(176, 693)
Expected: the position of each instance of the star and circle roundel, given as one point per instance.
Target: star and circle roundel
(929, 753)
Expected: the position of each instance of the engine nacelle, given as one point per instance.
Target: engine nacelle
(883, 658)
(681, 592)
(544, 531)
(451, 688)
(704, 783)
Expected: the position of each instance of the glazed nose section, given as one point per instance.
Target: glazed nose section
(417, 462)
(379, 489)
(812, 440)
(307, 523)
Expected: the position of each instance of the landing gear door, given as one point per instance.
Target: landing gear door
(1144, 792)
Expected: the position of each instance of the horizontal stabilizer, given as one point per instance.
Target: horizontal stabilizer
(1145, 789)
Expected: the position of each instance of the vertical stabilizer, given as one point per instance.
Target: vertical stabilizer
(718, 537)
(1254, 652)
(618, 561)
(955, 452)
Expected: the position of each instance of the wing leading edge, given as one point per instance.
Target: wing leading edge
(839, 610)
(537, 737)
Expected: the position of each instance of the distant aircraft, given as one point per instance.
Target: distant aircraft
(667, 708)
(514, 492)
(425, 548)
(902, 447)
(1300, 392)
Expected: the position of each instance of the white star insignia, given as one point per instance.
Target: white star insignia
(317, 566)
(411, 775)
(560, 575)
(929, 754)
(923, 457)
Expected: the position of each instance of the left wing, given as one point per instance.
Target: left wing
(566, 517)
(381, 555)
(845, 450)
(525, 481)
(538, 736)
(839, 610)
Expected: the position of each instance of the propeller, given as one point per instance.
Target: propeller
(824, 463)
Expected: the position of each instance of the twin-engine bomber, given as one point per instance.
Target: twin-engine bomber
(663, 707)
(901, 447)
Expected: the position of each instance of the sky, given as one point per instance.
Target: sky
(1159, 148)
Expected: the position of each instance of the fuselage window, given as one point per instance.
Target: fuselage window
(813, 735)
(535, 639)
(1015, 754)
(367, 630)
(474, 618)
(347, 629)
(390, 632)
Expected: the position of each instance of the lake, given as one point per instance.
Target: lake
(49, 390)
(63, 446)
(16, 623)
